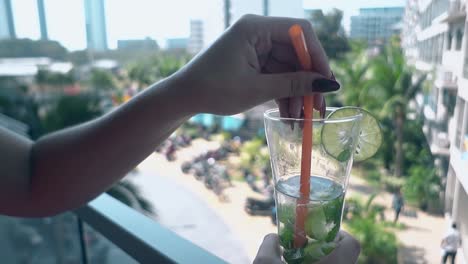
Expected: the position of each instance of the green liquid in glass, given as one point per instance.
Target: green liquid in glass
(323, 218)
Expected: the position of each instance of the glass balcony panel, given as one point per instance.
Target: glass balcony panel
(40, 240)
(102, 251)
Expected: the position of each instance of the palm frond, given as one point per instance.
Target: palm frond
(387, 108)
(417, 86)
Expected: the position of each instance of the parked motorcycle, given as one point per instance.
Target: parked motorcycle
(254, 206)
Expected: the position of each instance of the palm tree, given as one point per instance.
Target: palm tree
(129, 194)
(352, 73)
(397, 88)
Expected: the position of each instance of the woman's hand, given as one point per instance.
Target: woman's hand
(347, 251)
(251, 63)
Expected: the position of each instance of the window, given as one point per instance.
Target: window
(449, 40)
(450, 99)
(460, 110)
(459, 37)
(464, 140)
(433, 98)
(450, 189)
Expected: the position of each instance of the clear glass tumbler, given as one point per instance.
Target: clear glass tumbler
(328, 181)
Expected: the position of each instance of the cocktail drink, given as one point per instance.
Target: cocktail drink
(323, 218)
(337, 138)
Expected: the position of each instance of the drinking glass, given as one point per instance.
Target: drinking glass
(328, 180)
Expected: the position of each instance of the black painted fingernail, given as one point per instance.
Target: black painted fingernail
(325, 85)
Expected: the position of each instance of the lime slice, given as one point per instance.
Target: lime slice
(316, 224)
(337, 137)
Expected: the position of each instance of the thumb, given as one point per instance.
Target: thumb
(293, 84)
(270, 246)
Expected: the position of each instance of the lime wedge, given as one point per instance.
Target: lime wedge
(337, 137)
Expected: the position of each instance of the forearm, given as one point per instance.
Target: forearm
(70, 167)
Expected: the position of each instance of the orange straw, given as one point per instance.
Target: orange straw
(298, 41)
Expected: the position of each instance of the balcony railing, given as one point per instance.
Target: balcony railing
(454, 7)
(140, 237)
(437, 137)
(465, 67)
(446, 79)
(452, 58)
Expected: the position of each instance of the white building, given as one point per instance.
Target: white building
(7, 26)
(196, 36)
(27, 68)
(95, 17)
(434, 40)
(376, 24)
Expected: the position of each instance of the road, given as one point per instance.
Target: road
(186, 213)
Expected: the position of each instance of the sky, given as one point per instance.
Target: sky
(158, 19)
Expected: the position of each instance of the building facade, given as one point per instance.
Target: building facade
(137, 44)
(7, 26)
(376, 24)
(96, 34)
(434, 41)
(196, 36)
(42, 19)
(177, 43)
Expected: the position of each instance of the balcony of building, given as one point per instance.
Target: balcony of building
(458, 134)
(456, 11)
(435, 128)
(459, 161)
(452, 60)
(446, 79)
(436, 108)
(452, 57)
(105, 231)
(437, 137)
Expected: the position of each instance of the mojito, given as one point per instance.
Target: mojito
(323, 220)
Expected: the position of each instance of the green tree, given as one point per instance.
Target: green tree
(352, 72)
(17, 104)
(393, 88)
(44, 77)
(12, 48)
(102, 80)
(378, 243)
(150, 70)
(423, 186)
(330, 32)
(144, 73)
(71, 110)
(129, 194)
